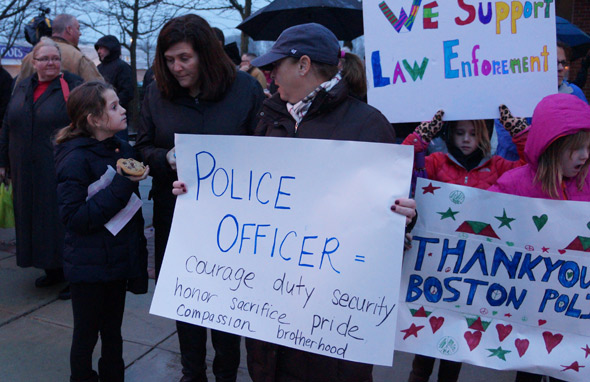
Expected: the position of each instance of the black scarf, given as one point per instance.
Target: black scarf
(470, 161)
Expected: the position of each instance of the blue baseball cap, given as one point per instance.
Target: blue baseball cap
(312, 40)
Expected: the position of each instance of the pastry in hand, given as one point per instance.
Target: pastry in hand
(131, 167)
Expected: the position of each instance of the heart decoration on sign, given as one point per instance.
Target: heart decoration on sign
(521, 346)
(540, 221)
(503, 331)
(436, 323)
(588, 225)
(473, 339)
(542, 322)
(551, 340)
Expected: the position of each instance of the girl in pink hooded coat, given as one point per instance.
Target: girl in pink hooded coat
(557, 151)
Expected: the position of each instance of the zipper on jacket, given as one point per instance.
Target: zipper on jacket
(296, 126)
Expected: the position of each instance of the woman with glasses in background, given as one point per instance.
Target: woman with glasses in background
(36, 110)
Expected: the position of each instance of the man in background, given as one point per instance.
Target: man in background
(116, 72)
(66, 33)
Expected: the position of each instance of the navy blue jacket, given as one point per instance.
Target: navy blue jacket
(92, 253)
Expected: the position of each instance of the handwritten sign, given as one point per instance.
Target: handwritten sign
(290, 241)
(499, 281)
(463, 56)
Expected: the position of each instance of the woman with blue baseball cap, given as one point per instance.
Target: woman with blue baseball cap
(313, 102)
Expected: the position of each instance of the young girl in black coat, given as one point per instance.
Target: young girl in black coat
(100, 264)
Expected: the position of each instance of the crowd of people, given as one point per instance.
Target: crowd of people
(65, 125)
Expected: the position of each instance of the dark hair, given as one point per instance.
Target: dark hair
(566, 49)
(324, 71)
(353, 71)
(216, 71)
(219, 34)
(84, 100)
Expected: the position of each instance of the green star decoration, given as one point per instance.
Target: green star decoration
(505, 220)
(448, 214)
(499, 352)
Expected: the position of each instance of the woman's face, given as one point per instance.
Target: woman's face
(464, 137)
(183, 63)
(286, 75)
(47, 63)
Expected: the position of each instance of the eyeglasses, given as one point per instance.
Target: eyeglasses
(47, 59)
(563, 63)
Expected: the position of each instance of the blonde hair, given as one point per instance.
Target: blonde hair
(481, 134)
(549, 171)
(46, 41)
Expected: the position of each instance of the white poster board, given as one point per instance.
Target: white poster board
(498, 281)
(290, 241)
(463, 56)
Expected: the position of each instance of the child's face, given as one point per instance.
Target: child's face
(464, 137)
(113, 119)
(572, 161)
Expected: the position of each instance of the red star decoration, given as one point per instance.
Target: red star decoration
(508, 315)
(412, 331)
(574, 366)
(545, 249)
(587, 350)
(430, 188)
(430, 254)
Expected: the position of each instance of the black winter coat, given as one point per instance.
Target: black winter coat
(332, 115)
(5, 90)
(26, 147)
(116, 71)
(235, 114)
(92, 253)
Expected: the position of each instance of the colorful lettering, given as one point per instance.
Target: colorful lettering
(404, 19)
(428, 16)
(470, 9)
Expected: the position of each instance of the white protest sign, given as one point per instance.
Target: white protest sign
(499, 281)
(463, 56)
(290, 241)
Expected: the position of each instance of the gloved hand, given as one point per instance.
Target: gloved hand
(427, 130)
(513, 124)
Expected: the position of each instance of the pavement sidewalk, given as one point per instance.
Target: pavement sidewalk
(36, 331)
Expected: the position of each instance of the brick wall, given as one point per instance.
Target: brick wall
(581, 18)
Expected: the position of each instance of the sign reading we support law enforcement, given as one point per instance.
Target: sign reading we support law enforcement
(462, 56)
(290, 241)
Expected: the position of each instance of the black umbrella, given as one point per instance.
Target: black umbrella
(572, 36)
(343, 17)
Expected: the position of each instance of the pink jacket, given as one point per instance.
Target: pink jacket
(555, 116)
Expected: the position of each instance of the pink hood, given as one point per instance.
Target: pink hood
(557, 115)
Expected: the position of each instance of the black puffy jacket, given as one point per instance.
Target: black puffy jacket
(92, 253)
(116, 71)
(332, 115)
